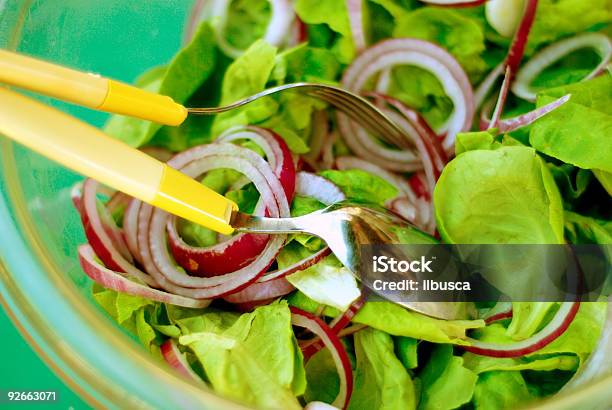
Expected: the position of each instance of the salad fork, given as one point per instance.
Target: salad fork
(108, 95)
(356, 107)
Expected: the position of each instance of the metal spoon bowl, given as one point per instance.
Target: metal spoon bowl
(346, 227)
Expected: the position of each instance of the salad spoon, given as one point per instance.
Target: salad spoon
(346, 227)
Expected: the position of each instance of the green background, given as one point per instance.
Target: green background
(22, 369)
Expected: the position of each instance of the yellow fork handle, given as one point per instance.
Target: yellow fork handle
(89, 151)
(89, 90)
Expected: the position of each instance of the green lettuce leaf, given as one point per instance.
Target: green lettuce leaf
(579, 132)
(502, 196)
(334, 15)
(361, 186)
(302, 205)
(322, 376)
(470, 141)
(253, 360)
(527, 318)
(247, 75)
(501, 391)
(574, 67)
(572, 181)
(446, 383)
(559, 18)
(543, 384)
(327, 282)
(187, 71)
(422, 91)
(398, 321)
(288, 114)
(579, 339)
(605, 179)
(457, 32)
(306, 63)
(196, 129)
(133, 313)
(383, 16)
(247, 20)
(406, 350)
(582, 229)
(381, 381)
(193, 321)
(481, 364)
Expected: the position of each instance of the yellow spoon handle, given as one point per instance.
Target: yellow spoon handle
(89, 151)
(87, 89)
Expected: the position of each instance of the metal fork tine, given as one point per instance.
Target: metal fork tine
(372, 118)
(387, 130)
(356, 107)
(354, 111)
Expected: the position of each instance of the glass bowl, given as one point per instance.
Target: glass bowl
(42, 286)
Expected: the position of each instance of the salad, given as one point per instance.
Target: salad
(508, 106)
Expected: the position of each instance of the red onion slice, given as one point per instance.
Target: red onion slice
(523, 120)
(177, 360)
(277, 152)
(298, 33)
(501, 311)
(262, 291)
(511, 124)
(501, 99)
(320, 131)
(420, 124)
(548, 56)
(425, 139)
(277, 30)
(419, 186)
(327, 154)
(99, 239)
(223, 257)
(555, 328)
(455, 3)
(355, 14)
(242, 249)
(117, 201)
(221, 155)
(397, 181)
(517, 48)
(115, 281)
(306, 320)
(487, 84)
(404, 208)
(315, 186)
(337, 325)
(185, 159)
(76, 194)
(130, 228)
(296, 267)
(423, 54)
